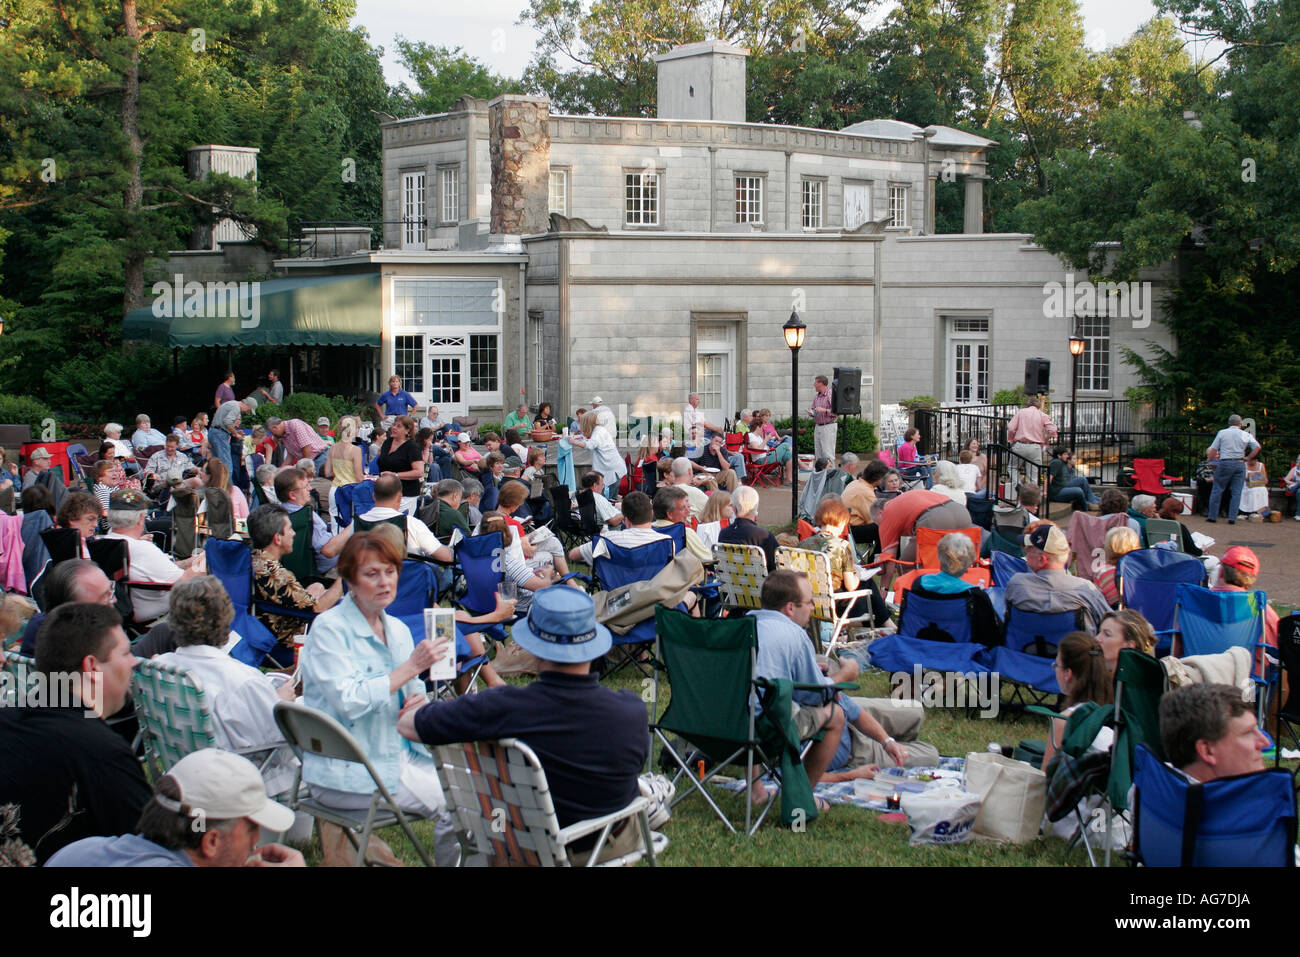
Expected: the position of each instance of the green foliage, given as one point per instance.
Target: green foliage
(1014, 396)
(487, 427)
(103, 387)
(308, 406)
(855, 435)
(443, 75)
(919, 402)
(25, 410)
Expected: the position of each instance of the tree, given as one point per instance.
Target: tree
(444, 75)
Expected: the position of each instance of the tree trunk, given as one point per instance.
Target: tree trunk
(133, 195)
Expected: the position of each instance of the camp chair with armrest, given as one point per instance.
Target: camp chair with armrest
(828, 605)
(1248, 820)
(1076, 774)
(997, 542)
(1149, 476)
(355, 499)
(711, 665)
(301, 560)
(677, 532)
(114, 559)
(1164, 530)
(740, 571)
(1288, 712)
(565, 526)
(619, 566)
(399, 521)
(927, 548)
(1148, 579)
(498, 794)
(1026, 657)
(589, 525)
(981, 510)
(1139, 685)
(309, 731)
(479, 559)
(231, 562)
(417, 589)
(1087, 538)
(761, 474)
(1207, 622)
(1006, 566)
(175, 719)
(933, 632)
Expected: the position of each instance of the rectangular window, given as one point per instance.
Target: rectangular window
(641, 199)
(483, 363)
(413, 210)
(558, 194)
(1094, 364)
(408, 362)
(812, 203)
(898, 196)
(444, 375)
(538, 357)
(449, 190)
(749, 199)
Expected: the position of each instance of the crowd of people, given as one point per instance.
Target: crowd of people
(325, 576)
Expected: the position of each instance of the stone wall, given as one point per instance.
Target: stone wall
(519, 144)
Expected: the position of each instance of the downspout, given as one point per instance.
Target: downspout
(523, 340)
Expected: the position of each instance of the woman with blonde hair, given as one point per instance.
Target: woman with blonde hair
(343, 464)
(1119, 541)
(1122, 629)
(605, 457)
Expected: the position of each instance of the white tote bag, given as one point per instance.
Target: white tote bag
(1013, 792)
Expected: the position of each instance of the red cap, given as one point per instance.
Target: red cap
(1241, 558)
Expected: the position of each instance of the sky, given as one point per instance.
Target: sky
(486, 29)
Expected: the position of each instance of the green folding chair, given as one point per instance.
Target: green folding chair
(711, 665)
(301, 561)
(172, 710)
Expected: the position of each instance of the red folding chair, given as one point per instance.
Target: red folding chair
(761, 474)
(1149, 476)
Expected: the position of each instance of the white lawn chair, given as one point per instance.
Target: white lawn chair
(741, 571)
(817, 566)
(503, 809)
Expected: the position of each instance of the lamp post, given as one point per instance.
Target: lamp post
(1077, 345)
(795, 331)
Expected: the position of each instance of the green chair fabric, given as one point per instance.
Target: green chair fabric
(301, 561)
(172, 709)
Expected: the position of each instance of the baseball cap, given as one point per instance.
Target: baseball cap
(129, 500)
(323, 422)
(40, 452)
(561, 626)
(463, 437)
(1047, 537)
(596, 400)
(222, 786)
(514, 463)
(1241, 558)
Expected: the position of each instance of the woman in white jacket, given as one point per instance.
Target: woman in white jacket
(605, 456)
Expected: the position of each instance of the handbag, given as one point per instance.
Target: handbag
(1014, 794)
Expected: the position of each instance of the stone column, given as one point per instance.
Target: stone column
(931, 183)
(973, 221)
(519, 142)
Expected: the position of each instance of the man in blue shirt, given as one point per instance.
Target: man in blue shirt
(592, 741)
(396, 401)
(1233, 447)
(855, 738)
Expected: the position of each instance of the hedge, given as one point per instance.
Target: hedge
(855, 435)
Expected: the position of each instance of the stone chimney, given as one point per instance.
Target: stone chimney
(237, 161)
(519, 144)
(702, 81)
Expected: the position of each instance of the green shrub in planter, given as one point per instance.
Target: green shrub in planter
(24, 410)
(855, 435)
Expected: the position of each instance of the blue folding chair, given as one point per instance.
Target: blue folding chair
(677, 532)
(479, 559)
(1029, 651)
(1248, 820)
(1005, 566)
(621, 566)
(354, 499)
(232, 564)
(1148, 579)
(1209, 622)
(934, 633)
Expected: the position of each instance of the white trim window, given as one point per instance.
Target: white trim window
(1094, 364)
(641, 199)
(899, 194)
(413, 224)
(447, 338)
(968, 357)
(749, 199)
(449, 190)
(814, 193)
(558, 192)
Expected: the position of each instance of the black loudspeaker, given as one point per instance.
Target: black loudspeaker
(846, 392)
(1037, 374)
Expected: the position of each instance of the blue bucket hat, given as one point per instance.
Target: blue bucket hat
(561, 626)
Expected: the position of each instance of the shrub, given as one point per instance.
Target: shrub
(24, 410)
(308, 406)
(919, 402)
(855, 435)
(1014, 396)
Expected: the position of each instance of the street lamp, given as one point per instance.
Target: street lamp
(1077, 345)
(795, 331)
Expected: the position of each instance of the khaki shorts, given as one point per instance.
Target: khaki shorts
(809, 719)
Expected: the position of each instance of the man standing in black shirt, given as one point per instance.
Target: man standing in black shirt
(592, 741)
(69, 774)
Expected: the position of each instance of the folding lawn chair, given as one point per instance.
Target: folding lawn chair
(1149, 476)
(1029, 651)
(498, 793)
(828, 605)
(740, 571)
(1006, 566)
(1248, 820)
(711, 665)
(309, 731)
(1288, 712)
(1208, 622)
(1160, 530)
(1148, 579)
(231, 562)
(935, 633)
(565, 527)
(620, 566)
(25, 676)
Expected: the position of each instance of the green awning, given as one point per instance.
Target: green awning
(303, 311)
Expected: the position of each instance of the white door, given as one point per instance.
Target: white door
(968, 359)
(446, 359)
(857, 204)
(715, 372)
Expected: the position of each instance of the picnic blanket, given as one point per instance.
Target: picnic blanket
(873, 794)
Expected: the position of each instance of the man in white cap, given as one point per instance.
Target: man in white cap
(207, 811)
(604, 415)
(37, 462)
(1047, 586)
(589, 774)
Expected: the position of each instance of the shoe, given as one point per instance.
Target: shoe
(1232, 521)
(1213, 520)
